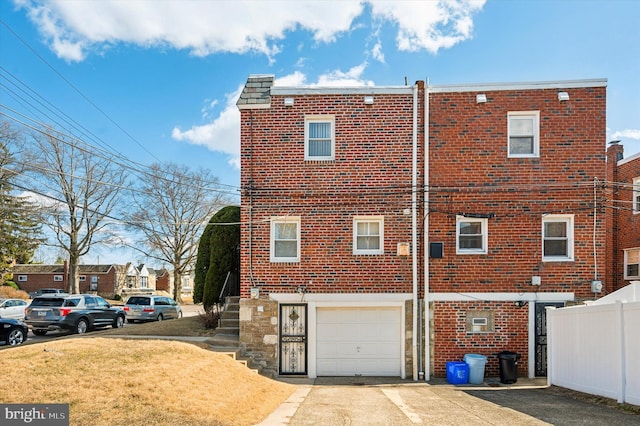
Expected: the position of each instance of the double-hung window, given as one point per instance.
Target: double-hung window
(632, 264)
(471, 235)
(368, 235)
(524, 133)
(557, 238)
(285, 239)
(319, 137)
(636, 195)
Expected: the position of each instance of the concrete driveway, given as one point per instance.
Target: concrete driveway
(371, 401)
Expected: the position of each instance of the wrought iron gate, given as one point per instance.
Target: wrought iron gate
(293, 339)
(541, 337)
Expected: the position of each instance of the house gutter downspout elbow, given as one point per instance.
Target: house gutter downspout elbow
(414, 234)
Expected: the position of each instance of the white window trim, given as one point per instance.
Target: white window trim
(322, 119)
(568, 219)
(484, 222)
(22, 278)
(359, 219)
(626, 276)
(536, 133)
(635, 195)
(284, 219)
(57, 278)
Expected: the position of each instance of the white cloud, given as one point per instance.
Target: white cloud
(352, 77)
(430, 25)
(376, 52)
(73, 28)
(626, 133)
(295, 79)
(221, 135)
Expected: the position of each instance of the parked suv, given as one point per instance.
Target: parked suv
(151, 308)
(78, 313)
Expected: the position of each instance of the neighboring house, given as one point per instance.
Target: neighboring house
(139, 279)
(105, 280)
(164, 282)
(623, 176)
(352, 224)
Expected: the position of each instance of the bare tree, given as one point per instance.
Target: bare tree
(172, 206)
(84, 188)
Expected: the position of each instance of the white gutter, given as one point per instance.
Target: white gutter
(427, 334)
(414, 232)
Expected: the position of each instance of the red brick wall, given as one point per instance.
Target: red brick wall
(470, 173)
(452, 341)
(37, 281)
(626, 223)
(371, 175)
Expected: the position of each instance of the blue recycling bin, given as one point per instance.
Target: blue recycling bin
(457, 372)
(476, 367)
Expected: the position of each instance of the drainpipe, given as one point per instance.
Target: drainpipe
(414, 234)
(425, 218)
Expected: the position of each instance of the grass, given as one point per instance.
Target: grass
(113, 381)
(188, 326)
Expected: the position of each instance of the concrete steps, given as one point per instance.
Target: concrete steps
(226, 338)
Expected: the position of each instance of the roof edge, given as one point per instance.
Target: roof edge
(325, 90)
(559, 84)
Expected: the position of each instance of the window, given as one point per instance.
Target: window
(636, 195)
(22, 278)
(480, 321)
(57, 277)
(471, 235)
(319, 137)
(524, 134)
(82, 278)
(368, 235)
(144, 282)
(285, 239)
(186, 283)
(632, 263)
(557, 238)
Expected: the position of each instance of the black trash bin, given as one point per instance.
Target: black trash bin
(508, 367)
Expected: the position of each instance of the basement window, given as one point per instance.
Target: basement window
(480, 321)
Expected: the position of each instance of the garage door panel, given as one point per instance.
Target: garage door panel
(362, 341)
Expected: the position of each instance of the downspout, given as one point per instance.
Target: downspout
(414, 235)
(425, 218)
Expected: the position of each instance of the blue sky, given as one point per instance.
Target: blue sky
(158, 80)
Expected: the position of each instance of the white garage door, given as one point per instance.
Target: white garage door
(362, 341)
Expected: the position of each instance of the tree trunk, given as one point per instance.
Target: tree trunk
(74, 288)
(177, 286)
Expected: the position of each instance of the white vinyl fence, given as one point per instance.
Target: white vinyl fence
(596, 349)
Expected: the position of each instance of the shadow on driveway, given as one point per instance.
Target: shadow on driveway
(560, 406)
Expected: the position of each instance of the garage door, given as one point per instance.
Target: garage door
(362, 341)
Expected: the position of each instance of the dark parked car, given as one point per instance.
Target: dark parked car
(13, 332)
(78, 313)
(151, 308)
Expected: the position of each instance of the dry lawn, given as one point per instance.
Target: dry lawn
(187, 326)
(111, 381)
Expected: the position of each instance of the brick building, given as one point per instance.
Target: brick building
(352, 224)
(623, 179)
(105, 280)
